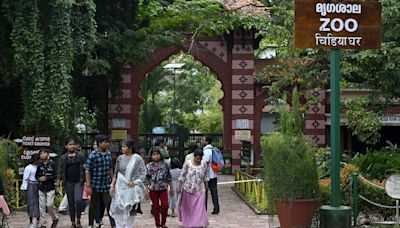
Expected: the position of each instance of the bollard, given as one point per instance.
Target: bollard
(17, 194)
(355, 199)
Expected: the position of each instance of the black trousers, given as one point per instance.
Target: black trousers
(94, 212)
(212, 185)
(74, 195)
(96, 199)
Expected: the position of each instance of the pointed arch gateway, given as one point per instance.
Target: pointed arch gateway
(232, 60)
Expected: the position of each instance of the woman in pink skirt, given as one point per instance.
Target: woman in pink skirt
(193, 184)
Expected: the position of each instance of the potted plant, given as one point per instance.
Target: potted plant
(291, 171)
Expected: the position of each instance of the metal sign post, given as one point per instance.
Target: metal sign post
(397, 213)
(335, 126)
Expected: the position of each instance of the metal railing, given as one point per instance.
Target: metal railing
(18, 204)
(253, 190)
(356, 180)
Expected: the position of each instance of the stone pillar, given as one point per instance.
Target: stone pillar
(120, 108)
(243, 92)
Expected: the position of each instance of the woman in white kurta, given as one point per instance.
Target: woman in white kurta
(127, 188)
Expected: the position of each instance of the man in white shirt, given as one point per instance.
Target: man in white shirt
(212, 183)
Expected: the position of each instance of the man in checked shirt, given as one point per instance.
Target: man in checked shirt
(98, 177)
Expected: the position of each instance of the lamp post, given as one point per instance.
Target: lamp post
(173, 67)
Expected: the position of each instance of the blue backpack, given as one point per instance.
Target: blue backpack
(217, 163)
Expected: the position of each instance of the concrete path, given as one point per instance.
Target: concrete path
(234, 214)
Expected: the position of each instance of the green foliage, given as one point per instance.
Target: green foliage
(8, 155)
(205, 17)
(377, 195)
(378, 164)
(323, 158)
(51, 45)
(210, 121)
(290, 167)
(150, 116)
(83, 116)
(292, 123)
(305, 69)
(46, 36)
(373, 193)
(11, 197)
(364, 123)
(7, 66)
(184, 97)
(7, 167)
(289, 161)
(279, 29)
(129, 31)
(378, 69)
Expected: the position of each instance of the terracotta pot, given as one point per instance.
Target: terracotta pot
(297, 213)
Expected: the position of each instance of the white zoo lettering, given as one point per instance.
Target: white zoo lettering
(337, 25)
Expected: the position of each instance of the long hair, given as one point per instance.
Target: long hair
(130, 144)
(175, 163)
(68, 140)
(198, 152)
(156, 149)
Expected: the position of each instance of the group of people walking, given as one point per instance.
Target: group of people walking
(120, 188)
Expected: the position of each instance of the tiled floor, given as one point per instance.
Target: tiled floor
(234, 214)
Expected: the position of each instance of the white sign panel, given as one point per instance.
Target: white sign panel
(390, 119)
(242, 124)
(119, 123)
(392, 186)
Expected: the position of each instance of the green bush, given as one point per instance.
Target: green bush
(369, 191)
(378, 164)
(290, 167)
(289, 159)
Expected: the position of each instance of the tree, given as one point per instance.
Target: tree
(45, 37)
(171, 96)
(58, 56)
(378, 69)
(306, 70)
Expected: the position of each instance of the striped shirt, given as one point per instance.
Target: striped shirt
(98, 166)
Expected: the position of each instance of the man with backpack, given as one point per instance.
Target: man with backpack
(212, 183)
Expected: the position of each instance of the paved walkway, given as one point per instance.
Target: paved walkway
(234, 214)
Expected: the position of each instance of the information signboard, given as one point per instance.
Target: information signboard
(334, 24)
(119, 134)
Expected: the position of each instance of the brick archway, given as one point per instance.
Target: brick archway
(232, 62)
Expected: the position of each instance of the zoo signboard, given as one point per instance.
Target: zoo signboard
(337, 24)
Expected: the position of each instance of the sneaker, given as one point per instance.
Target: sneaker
(31, 225)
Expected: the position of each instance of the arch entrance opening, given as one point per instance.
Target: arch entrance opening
(231, 59)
